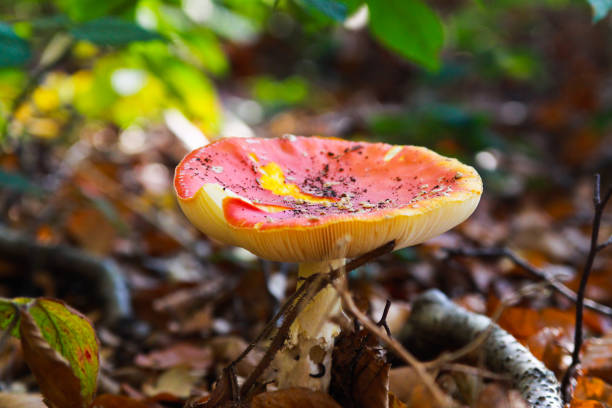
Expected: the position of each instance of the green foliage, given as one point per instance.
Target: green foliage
(273, 93)
(112, 31)
(408, 27)
(600, 8)
(14, 50)
(82, 10)
(59, 346)
(333, 9)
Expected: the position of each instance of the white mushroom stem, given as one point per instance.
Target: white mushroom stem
(305, 359)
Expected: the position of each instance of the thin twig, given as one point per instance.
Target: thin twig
(383, 319)
(349, 306)
(538, 273)
(313, 287)
(599, 205)
(605, 244)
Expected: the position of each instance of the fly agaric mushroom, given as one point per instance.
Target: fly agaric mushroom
(317, 201)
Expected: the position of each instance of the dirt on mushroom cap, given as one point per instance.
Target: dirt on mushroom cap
(304, 183)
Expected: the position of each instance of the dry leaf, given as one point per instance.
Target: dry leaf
(178, 381)
(402, 381)
(294, 398)
(360, 373)
(21, 400)
(184, 354)
(117, 401)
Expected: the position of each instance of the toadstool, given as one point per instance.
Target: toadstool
(317, 201)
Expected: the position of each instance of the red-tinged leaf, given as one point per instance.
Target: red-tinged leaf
(21, 400)
(117, 401)
(9, 314)
(61, 349)
(294, 398)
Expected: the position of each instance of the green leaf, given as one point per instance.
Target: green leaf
(331, 8)
(600, 8)
(112, 31)
(60, 347)
(82, 10)
(408, 27)
(13, 49)
(9, 316)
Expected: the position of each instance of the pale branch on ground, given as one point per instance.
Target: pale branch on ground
(436, 322)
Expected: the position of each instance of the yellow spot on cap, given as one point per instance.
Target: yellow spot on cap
(273, 179)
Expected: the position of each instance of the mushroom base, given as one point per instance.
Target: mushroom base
(305, 359)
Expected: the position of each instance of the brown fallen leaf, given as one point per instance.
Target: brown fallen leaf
(117, 401)
(294, 398)
(177, 381)
(591, 388)
(21, 400)
(360, 372)
(197, 357)
(395, 402)
(225, 394)
(402, 381)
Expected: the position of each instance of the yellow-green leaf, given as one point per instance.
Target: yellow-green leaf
(61, 349)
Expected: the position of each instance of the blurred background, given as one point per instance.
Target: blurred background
(99, 100)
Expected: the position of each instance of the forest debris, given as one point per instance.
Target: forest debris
(8, 400)
(359, 365)
(104, 273)
(117, 401)
(185, 354)
(437, 322)
(178, 382)
(294, 397)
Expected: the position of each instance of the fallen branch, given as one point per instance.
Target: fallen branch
(498, 252)
(103, 273)
(437, 322)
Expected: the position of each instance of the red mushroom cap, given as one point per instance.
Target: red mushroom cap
(312, 198)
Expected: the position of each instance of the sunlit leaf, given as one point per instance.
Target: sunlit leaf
(13, 49)
(600, 8)
(112, 31)
(408, 27)
(60, 347)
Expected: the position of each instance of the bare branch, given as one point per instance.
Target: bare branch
(538, 273)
